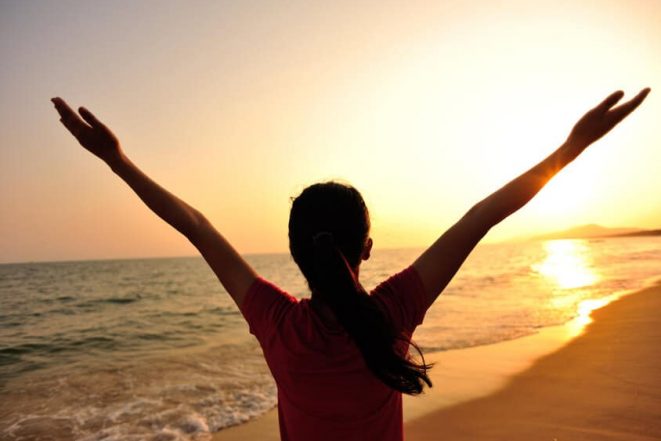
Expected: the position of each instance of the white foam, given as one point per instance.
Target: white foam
(168, 435)
(194, 423)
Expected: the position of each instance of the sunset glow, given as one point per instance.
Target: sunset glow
(426, 107)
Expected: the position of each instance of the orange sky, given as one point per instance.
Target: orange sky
(426, 107)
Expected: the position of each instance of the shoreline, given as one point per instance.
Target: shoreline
(462, 377)
(458, 377)
(602, 385)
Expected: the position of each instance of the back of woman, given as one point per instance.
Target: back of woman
(325, 389)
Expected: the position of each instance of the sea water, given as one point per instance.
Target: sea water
(154, 349)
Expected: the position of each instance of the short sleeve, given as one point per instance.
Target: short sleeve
(403, 297)
(264, 306)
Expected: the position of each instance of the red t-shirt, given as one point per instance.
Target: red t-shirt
(325, 390)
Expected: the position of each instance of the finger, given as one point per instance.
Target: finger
(67, 116)
(635, 101)
(610, 101)
(63, 108)
(90, 118)
(620, 112)
(66, 113)
(72, 127)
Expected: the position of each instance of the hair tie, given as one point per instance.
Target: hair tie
(322, 236)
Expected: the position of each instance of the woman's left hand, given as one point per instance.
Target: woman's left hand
(90, 133)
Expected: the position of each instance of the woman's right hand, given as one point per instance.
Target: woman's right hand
(600, 120)
(90, 133)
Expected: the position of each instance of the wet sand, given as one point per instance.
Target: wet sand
(605, 384)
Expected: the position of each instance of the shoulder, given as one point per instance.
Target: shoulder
(406, 279)
(264, 305)
(403, 297)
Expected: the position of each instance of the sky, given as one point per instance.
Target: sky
(425, 106)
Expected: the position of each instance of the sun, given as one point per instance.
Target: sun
(572, 193)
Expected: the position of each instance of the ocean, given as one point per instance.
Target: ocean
(154, 349)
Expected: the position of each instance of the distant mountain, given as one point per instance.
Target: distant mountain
(639, 233)
(592, 230)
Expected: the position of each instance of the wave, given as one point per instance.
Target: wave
(100, 337)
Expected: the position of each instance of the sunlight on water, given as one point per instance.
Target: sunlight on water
(584, 310)
(567, 264)
(155, 349)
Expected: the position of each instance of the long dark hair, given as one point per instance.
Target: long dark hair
(328, 228)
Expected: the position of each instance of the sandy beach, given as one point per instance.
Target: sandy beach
(602, 384)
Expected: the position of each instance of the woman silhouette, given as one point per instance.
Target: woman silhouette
(340, 359)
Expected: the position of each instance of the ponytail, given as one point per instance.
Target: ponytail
(328, 227)
(365, 322)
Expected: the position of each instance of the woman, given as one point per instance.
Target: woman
(340, 359)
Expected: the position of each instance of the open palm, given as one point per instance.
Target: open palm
(601, 119)
(89, 131)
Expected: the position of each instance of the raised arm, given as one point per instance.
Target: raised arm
(440, 262)
(230, 268)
